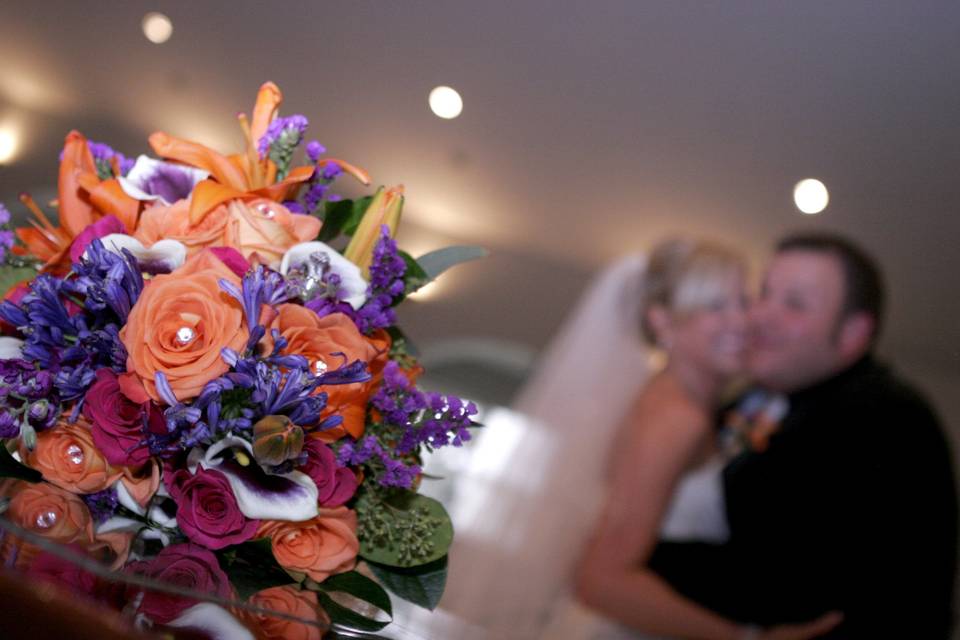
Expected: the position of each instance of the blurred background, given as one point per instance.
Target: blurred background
(588, 131)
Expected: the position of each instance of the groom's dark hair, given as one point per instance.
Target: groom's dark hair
(865, 290)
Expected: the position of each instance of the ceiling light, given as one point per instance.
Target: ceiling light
(445, 102)
(157, 27)
(8, 145)
(811, 196)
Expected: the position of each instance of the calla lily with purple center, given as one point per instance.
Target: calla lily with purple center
(260, 495)
(312, 258)
(152, 179)
(162, 257)
(10, 348)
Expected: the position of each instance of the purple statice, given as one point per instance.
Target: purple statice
(386, 285)
(367, 451)
(281, 139)
(315, 150)
(428, 419)
(102, 504)
(318, 187)
(103, 158)
(6, 243)
(6, 235)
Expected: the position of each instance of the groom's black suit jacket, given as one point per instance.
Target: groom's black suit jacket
(852, 507)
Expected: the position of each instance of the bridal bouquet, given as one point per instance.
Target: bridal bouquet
(204, 399)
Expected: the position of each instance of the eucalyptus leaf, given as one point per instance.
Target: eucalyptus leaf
(423, 585)
(251, 567)
(10, 468)
(342, 217)
(353, 600)
(436, 262)
(413, 507)
(341, 616)
(11, 276)
(357, 585)
(414, 277)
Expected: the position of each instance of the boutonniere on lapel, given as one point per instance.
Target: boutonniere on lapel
(756, 417)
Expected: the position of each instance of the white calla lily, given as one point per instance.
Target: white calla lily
(260, 495)
(161, 257)
(151, 179)
(10, 348)
(301, 256)
(214, 621)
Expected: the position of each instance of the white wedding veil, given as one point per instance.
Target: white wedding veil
(526, 528)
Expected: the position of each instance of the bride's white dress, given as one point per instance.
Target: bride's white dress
(540, 477)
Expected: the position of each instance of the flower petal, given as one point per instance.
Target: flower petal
(260, 495)
(351, 279)
(152, 179)
(10, 348)
(162, 257)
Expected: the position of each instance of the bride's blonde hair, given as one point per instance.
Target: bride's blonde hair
(685, 275)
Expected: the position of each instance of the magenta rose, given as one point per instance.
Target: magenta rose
(116, 421)
(102, 227)
(335, 484)
(207, 510)
(188, 566)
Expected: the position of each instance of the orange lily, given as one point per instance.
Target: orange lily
(83, 198)
(246, 175)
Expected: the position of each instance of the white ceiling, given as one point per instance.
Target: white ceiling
(589, 129)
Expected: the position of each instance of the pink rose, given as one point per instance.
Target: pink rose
(115, 421)
(188, 566)
(207, 510)
(335, 484)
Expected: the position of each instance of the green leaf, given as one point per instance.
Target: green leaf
(10, 468)
(10, 276)
(423, 585)
(412, 507)
(414, 277)
(347, 617)
(343, 217)
(251, 567)
(436, 262)
(351, 587)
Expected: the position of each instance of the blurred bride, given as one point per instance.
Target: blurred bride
(620, 451)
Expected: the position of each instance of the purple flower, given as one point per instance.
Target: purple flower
(315, 150)
(4, 215)
(6, 243)
(151, 179)
(102, 504)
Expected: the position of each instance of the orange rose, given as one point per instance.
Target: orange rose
(319, 547)
(294, 602)
(51, 512)
(260, 226)
(172, 222)
(180, 324)
(142, 483)
(320, 341)
(112, 548)
(67, 457)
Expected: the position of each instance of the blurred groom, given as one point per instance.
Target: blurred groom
(851, 506)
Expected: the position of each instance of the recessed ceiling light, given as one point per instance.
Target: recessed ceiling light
(8, 145)
(445, 102)
(811, 196)
(157, 27)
